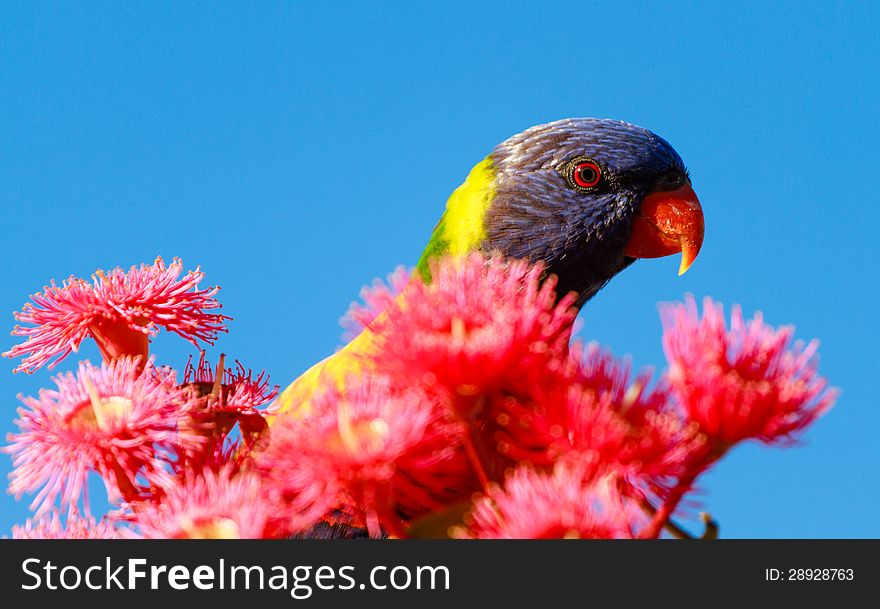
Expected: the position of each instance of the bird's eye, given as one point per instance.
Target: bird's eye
(584, 174)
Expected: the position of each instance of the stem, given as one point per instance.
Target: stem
(476, 459)
(674, 529)
(685, 483)
(466, 408)
(711, 531)
(124, 483)
(664, 512)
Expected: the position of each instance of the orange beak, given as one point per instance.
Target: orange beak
(668, 223)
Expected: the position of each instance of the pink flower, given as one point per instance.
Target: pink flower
(75, 527)
(120, 310)
(235, 398)
(212, 505)
(745, 382)
(566, 503)
(115, 419)
(376, 298)
(384, 452)
(481, 325)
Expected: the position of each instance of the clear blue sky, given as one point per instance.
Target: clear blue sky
(298, 150)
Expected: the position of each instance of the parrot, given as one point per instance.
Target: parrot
(586, 197)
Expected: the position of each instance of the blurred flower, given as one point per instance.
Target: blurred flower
(376, 298)
(383, 451)
(120, 310)
(595, 414)
(212, 505)
(479, 326)
(567, 503)
(115, 419)
(74, 527)
(746, 382)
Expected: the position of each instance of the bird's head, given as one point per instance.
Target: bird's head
(585, 196)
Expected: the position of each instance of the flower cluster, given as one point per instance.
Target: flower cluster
(460, 408)
(172, 454)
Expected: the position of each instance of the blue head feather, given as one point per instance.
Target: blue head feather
(581, 236)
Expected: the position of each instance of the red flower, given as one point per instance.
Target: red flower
(75, 527)
(745, 382)
(236, 397)
(480, 325)
(117, 420)
(567, 503)
(593, 412)
(212, 505)
(120, 310)
(383, 452)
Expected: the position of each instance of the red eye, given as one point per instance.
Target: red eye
(585, 174)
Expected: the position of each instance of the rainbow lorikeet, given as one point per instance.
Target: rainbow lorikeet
(585, 196)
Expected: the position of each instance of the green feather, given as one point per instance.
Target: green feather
(461, 229)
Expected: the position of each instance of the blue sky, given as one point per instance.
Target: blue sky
(295, 151)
